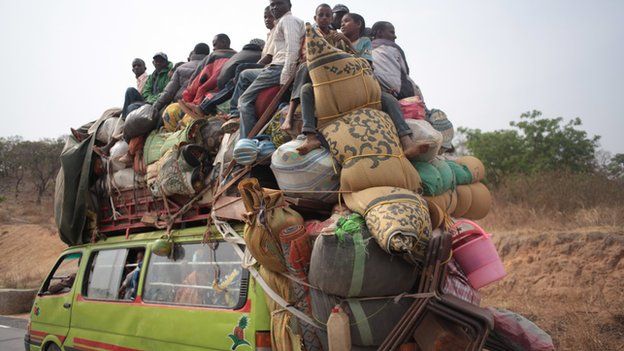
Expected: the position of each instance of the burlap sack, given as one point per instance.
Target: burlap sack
(366, 144)
(342, 83)
(267, 215)
(475, 166)
(397, 218)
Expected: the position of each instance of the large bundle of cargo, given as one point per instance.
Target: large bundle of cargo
(341, 235)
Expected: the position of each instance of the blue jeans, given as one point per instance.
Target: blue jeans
(132, 100)
(256, 80)
(390, 105)
(240, 87)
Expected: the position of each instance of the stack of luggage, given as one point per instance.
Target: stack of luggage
(350, 229)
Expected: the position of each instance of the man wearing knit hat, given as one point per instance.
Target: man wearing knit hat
(339, 11)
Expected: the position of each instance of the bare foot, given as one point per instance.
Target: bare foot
(411, 149)
(286, 125)
(191, 109)
(312, 142)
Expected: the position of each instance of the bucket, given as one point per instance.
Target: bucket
(475, 252)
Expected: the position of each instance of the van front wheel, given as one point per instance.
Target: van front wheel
(52, 347)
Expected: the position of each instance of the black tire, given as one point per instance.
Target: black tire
(52, 347)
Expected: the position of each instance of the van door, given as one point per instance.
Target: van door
(51, 312)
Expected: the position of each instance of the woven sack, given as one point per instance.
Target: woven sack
(448, 178)
(342, 83)
(474, 166)
(481, 202)
(464, 200)
(267, 215)
(397, 218)
(366, 145)
(430, 178)
(461, 173)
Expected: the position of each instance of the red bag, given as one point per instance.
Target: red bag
(412, 107)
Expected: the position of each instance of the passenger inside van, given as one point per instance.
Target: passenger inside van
(130, 284)
(192, 290)
(63, 286)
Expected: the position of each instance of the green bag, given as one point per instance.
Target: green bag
(430, 178)
(448, 178)
(153, 145)
(461, 172)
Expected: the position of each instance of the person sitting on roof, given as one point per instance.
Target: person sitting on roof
(390, 64)
(285, 48)
(353, 28)
(226, 91)
(250, 54)
(338, 12)
(140, 72)
(181, 77)
(205, 81)
(322, 19)
(154, 85)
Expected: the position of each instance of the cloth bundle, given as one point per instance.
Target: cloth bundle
(397, 218)
(342, 83)
(366, 144)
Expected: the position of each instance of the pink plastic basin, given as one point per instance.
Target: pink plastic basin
(475, 252)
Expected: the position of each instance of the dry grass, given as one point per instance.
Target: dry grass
(561, 238)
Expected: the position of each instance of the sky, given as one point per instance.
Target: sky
(482, 62)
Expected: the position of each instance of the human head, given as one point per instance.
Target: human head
(171, 71)
(323, 16)
(279, 8)
(138, 67)
(221, 41)
(140, 255)
(353, 25)
(258, 42)
(383, 30)
(160, 61)
(269, 19)
(339, 11)
(201, 49)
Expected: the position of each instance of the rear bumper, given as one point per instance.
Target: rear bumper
(31, 345)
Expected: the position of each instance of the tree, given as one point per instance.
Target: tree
(11, 162)
(42, 162)
(615, 167)
(534, 144)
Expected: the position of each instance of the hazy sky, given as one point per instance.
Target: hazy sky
(482, 62)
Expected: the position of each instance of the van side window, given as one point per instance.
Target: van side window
(198, 274)
(114, 274)
(62, 278)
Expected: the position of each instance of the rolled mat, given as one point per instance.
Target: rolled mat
(464, 200)
(397, 218)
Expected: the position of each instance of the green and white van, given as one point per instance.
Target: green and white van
(119, 295)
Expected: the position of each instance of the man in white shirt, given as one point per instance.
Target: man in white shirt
(284, 49)
(139, 70)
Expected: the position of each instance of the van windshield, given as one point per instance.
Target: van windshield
(198, 274)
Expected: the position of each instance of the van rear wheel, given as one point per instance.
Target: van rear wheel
(52, 347)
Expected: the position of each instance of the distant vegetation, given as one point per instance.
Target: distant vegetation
(26, 163)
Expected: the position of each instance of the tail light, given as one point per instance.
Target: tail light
(263, 341)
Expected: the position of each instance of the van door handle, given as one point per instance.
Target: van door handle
(67, 305)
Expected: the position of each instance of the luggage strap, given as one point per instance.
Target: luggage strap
(231, 236)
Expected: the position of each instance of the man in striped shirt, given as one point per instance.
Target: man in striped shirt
(286, 39)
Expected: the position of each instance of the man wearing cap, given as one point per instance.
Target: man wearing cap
(154, 85)
(181, 77)
(339, 11)
(157, 81)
